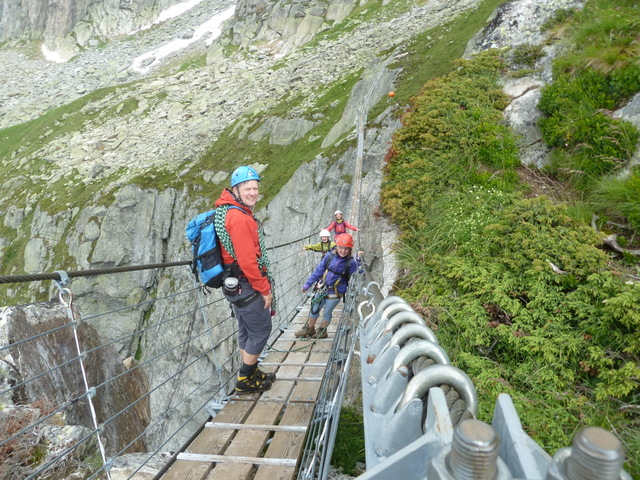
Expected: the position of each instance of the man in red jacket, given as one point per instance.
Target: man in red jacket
(245, 255)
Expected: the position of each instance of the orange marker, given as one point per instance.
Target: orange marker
(392, 94)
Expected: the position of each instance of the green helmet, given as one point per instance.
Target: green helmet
(243, 174)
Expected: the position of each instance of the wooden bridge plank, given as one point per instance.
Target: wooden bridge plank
(268, 472)
(209, 441)
(308, 391)
(289, 444)
(286, 444)
(276, 356)
(281, 389)
(283, 343)
(248, 443)
(263, 409)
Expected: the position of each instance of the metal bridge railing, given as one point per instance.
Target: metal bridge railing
(420, 415)
(62, 373)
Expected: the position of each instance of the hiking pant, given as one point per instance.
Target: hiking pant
(254, 321)
(329, 305)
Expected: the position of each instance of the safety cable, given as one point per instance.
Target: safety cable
(99, 315)
(87, 273)
(34, 277)
(86, 352)
(291, 276)
(75, 400)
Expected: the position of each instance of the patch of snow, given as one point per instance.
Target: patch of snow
(51, 55)
(171, 12)
(211, 27)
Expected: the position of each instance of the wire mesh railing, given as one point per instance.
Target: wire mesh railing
(112, 380)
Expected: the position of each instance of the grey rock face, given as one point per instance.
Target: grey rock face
(514, 23)
(51, 345)
(631, 113)
(282, 131)
(68, 25)
(284, 25)
(522, 115)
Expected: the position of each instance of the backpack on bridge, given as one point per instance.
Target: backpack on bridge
(207, 263)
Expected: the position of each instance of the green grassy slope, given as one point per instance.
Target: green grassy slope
(522, 294)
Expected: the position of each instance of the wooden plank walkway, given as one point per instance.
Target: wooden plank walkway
(262, 436)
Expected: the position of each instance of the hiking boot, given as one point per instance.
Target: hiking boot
(264, 375)
(306, 331)
(252, 384)
(322, 333)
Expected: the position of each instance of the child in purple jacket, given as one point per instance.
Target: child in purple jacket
(336, 270)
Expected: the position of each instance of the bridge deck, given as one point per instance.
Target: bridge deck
(262, 436)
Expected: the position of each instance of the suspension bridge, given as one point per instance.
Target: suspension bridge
(419, 411)
(93, 388)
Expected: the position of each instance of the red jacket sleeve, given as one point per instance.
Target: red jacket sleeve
(331, 227)
(243, 230)
(348, 225)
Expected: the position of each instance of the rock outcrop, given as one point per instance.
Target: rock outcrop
(51, 373)
(279, 26)
(70, 25)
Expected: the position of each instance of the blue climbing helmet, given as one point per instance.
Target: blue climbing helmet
(243, 174)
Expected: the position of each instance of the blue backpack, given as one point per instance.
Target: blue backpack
(207, 262)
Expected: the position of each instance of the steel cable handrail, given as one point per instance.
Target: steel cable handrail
(93, 432)
(115, 341)
(159, 449)
(293, 276)
(98, 315)
(319, 442)
(58, 276)
(103, 384)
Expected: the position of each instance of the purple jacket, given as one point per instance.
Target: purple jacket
(334, 269)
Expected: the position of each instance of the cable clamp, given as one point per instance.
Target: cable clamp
(64, 279)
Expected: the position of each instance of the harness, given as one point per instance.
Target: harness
(225, 239)
(322, 289)
(344, 275)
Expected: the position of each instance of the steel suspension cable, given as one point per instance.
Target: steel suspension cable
(288, 313)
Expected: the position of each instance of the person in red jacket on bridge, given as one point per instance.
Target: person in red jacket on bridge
(340, 226)
(245, 255)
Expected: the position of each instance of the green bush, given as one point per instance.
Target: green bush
(452, 135)
(526, 54)
(527, 302)
(598, 73)
(579, 120)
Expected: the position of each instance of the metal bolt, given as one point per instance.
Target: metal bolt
(474, 451)
(595, 452)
